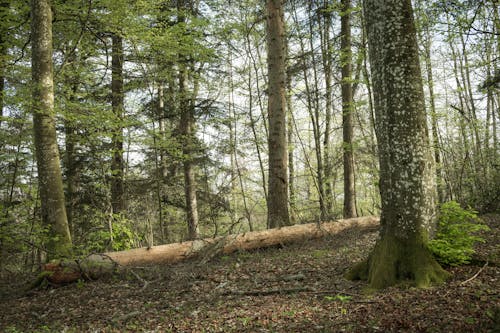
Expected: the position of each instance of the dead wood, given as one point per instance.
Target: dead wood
(98, 265)
(211, 247)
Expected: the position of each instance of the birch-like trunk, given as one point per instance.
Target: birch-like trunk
(50, 183)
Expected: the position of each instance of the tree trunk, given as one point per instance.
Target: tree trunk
(326, 54)
(4, 8)
(407, 183)
(70, 161)
(53, 208)
(291, 151)
(98, 265)
(117, 164)
(277, 204)
(347, 112)
(187, 131)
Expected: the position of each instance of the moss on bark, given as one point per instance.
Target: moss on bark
(395, 261)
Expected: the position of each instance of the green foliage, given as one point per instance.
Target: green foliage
(120, 237)
(456, 235)
(341, 298)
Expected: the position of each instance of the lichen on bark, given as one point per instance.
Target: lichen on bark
(407, 184)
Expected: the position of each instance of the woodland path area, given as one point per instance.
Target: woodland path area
(296, 288)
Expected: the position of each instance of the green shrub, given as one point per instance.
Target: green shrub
(456, 234)
(123, 237)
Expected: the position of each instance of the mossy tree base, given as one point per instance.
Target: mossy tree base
(395, 261)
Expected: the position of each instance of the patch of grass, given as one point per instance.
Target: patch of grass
(341, 298)
(319, 254)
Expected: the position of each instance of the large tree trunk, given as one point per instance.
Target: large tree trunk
(347, 112)
(47, 153)
(117, 164)
(97, 265)
(407, 183)
(171, 253)
(277, 204)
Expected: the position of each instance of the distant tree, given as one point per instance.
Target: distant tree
(4, 7)
(117, 96)
(277, 203)
(407, 183)
(47, 154)
(187, 126)
(347, 111)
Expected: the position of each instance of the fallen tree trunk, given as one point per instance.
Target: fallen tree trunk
(205, 249)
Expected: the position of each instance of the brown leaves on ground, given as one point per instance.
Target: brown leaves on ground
(297, 288)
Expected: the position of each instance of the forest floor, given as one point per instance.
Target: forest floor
(295, 288)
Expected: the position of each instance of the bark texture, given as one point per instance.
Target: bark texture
(117, 164)
(187, 131)
(248, 241)
(347, 112)
(98, 265)
(277, 203)
(47, 154)
(4, 8)
(407, 184)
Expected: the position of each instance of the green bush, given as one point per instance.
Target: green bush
(122, 238)
(456, 234)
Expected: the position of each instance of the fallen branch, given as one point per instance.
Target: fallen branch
(475, 275)
(267, 292)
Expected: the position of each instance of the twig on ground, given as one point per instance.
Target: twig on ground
(138, 277)
(475, 275)
(267, 292)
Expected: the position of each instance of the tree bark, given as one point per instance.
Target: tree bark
(4, 8)
(98, 265)
(347, 112)
(53, 208)
(407, 183)
(187, 131)
(117, 95)
(277, 205)
(327, 51)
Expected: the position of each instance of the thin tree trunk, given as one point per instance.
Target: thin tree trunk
(160, 159)
(347, 112)
(53, 209)
(314, 111)
(252, 118)
(187, 131)
(117, 95)
(4, 8)
(426, 40)
(237, 169)
(71, 167)
(467, 161)
(277, 205)
(253, 126)
(312, 102)
(291, 150)
(326, 54)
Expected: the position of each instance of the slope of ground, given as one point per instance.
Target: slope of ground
(297, 288)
